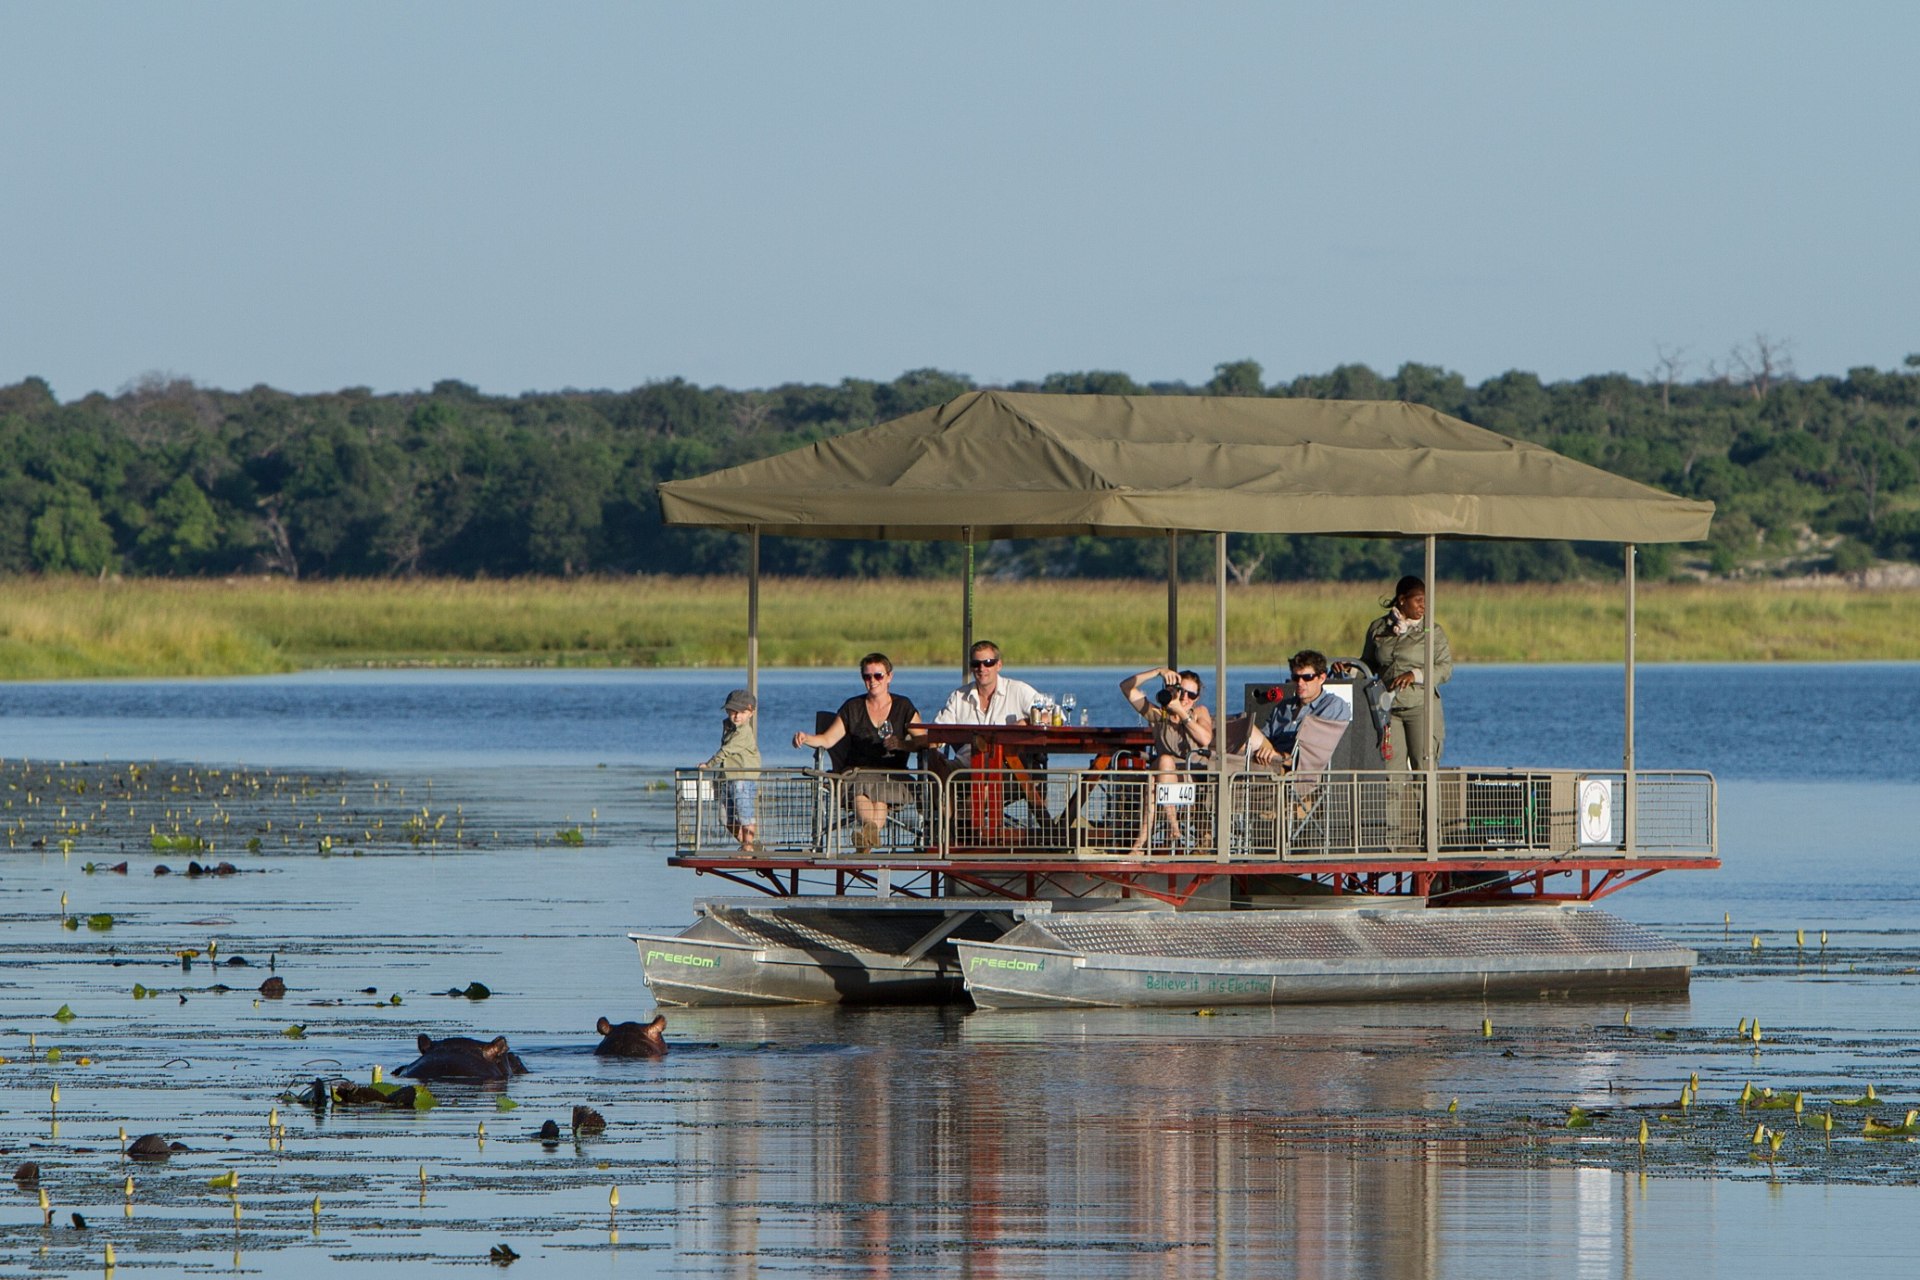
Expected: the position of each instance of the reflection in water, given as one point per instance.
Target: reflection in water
(1154, 1151)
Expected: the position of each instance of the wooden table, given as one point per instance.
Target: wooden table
(1009, 750)
(1009, 746)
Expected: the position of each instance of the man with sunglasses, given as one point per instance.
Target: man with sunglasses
(992, 697)
(1310, 697)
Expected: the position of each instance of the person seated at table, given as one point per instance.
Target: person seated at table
(991, 697)
(876, 724)
(1309, 698)
(1182, 730)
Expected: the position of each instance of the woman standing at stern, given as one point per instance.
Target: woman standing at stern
(1396, 650)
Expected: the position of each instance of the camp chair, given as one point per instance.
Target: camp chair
(1313, 749)
(1294, 796)
(906, 824)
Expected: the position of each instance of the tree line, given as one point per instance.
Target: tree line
(171, 478)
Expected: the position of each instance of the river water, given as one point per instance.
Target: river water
(410, 842)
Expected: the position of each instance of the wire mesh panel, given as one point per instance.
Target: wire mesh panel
(877, 813)
(1334, 814)
(1675, 813)
(1113, 812)
(747, 810)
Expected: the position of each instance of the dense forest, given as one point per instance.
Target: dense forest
(171, 478)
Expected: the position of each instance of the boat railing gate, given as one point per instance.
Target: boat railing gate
(1487, 814)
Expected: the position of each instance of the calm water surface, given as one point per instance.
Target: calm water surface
(936, 1142)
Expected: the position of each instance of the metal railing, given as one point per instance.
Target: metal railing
(1525, 815)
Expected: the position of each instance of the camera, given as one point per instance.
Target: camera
(1167, 694)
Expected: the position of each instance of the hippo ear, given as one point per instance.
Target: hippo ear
(657, 1029)
(426, 1043)
(603, 1026)
(496, 1047)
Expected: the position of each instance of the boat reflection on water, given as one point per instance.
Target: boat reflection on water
(1119, 1141)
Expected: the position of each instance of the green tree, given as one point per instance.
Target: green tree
(183, 529)
(1236, 378)
(69, 535)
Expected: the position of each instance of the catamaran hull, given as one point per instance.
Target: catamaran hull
(691, 972)
(1256, 958)
(818, 951)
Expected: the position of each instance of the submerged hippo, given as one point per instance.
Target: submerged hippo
(633, 1039)
(464, 1058)
(153, 1146)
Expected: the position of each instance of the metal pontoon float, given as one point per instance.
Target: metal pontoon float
(1313, 956)
(1358, 884)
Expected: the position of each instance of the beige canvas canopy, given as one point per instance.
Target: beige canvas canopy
(998, 464)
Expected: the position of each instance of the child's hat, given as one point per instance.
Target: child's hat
(741, 700)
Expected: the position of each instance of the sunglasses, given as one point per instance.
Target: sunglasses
(977, 663)
(1189, 694)
(871, 676)
(1309, 675)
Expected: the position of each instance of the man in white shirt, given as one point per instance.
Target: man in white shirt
(993, 698)
(988, 698)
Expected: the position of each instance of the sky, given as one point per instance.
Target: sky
(537, 197)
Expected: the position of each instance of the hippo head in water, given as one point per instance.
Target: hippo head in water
(633, 1039)
(464, 1058)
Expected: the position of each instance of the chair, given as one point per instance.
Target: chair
(907, 822)
(1313, 749)
(1297, 794)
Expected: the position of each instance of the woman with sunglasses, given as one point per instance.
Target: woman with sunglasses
(1182, 729)
(875, 727)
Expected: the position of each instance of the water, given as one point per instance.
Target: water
(916, 1141)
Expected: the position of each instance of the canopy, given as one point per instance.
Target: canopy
(999, 464)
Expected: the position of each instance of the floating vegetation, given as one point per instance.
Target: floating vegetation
(570, 836)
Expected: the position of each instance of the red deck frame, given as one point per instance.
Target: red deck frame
(1176, 880)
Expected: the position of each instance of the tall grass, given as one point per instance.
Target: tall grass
(60, 627)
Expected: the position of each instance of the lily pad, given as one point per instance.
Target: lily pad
(65, 1014)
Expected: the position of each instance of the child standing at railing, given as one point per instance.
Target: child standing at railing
(739, 750)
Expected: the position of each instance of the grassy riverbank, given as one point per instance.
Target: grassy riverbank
(53, 628)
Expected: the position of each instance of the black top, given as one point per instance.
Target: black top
(877, 746)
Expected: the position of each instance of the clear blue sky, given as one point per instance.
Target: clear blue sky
(538, 196)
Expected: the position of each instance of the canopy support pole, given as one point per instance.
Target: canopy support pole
(1222, 831)
(753, 611)
(1173, 599)
(966, 607)
(1428, 693)
(1628, 797)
